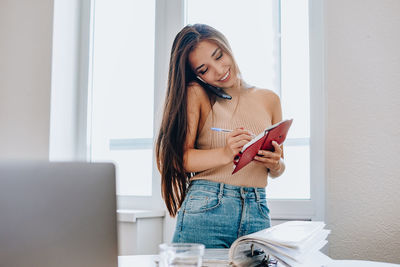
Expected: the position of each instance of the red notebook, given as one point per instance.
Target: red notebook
(263, 141)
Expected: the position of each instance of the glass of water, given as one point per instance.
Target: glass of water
(181, 255)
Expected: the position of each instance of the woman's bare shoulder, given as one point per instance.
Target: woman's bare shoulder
(266, 95)
(198, 105)
(198, 97)
(196, 92)
(272, 103)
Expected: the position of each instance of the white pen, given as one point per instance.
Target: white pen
(226, 131)
(221, 130)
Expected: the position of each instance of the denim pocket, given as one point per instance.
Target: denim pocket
(201, 201)
(263, 208)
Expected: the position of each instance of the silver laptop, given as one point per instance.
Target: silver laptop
(58, 214)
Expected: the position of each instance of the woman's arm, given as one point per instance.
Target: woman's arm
(196, 160)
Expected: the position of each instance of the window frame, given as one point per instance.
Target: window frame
(313, 208)
(170, 18)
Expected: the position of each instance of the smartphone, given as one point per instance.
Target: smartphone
(215, 90)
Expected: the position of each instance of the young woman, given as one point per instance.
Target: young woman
(214, 207)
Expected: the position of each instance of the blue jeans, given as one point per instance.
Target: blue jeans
(216, 214)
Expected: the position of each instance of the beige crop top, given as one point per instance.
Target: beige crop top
(244, 110)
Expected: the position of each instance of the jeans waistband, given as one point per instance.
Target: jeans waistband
(228, 190)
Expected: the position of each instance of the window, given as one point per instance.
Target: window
(122, 91)
(278, 45)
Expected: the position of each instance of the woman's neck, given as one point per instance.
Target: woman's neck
(236, 88)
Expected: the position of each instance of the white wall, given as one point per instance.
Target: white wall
(25, 78)
(362, 83)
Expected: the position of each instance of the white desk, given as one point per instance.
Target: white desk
(149, 261)
(354, 263)
(137, 260)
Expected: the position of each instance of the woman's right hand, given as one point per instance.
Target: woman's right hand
(235, 140)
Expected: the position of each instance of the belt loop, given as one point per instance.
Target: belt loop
(242, 193)
(221, 190)
(257, 194)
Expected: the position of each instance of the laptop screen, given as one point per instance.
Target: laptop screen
(58, 214)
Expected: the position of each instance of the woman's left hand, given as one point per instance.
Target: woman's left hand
(269, 159)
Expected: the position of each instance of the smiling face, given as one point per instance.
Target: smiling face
(213, 65)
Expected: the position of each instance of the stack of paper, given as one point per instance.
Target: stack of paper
(293, 243)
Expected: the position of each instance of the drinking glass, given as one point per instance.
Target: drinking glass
(181, 254)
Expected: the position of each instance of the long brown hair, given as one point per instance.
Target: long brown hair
(172, 134)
